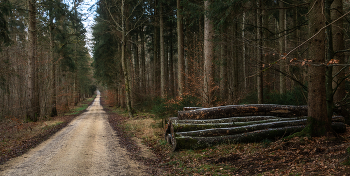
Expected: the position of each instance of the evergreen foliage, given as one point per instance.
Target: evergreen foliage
(5, 11)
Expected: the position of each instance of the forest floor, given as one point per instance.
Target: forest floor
(18, 136)
(296, 156)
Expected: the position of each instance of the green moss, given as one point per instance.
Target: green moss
(347, 160)
(304, 133)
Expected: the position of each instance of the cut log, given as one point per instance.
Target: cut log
(191, 108)
(233, 119)
(195, 142)
(244, 110)
(194, 125)
(180, 131)
(189, 142)
(339, 127)
(245, 119)
(167, 128)
(182, 127)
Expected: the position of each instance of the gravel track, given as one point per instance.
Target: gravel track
(87, 146)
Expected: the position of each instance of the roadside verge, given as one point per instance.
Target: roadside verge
(17, 136)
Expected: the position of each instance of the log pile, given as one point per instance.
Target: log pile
(197, 127)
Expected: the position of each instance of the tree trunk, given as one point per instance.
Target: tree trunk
(283, 33)
(188, 142)
(33, 95)
(219, 129)
(208, 57)
(259, 53)
(235, 62)
(338, 44)
(193, 125)
(53, 71)
(171, 64)
(223, 64)
(143, 64)
(252, 133)
(124, 64)
(320, 124)
(180, 51)
(229, 119)
(162, 54)
(244, 110)
(243, 52)
(329, 57)
(137, 79)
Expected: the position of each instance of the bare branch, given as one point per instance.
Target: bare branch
(317, 33)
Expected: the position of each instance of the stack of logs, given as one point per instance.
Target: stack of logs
(197, 127)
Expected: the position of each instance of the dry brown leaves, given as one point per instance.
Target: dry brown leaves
(297, 156)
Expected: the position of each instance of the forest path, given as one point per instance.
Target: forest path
(87, 146)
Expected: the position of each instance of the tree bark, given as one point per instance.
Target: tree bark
(229, 119)
(171, 64)
(329, 57)
(219, 129)
(208, 57)
(244, 110)
(33, 94)
(338, 44)
(189, 142)
(243, 52)
(180, 51)
(125, 64)
(143, 63)
(260, 85)
(320, 124)
(53, 69)
(283, 36)
(223, 64)
(162, 54)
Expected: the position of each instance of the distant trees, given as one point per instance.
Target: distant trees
(226, 52)
(47, 48)
(5, 11)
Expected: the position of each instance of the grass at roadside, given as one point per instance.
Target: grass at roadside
(18, 136)
(81, 106)
(296, 156)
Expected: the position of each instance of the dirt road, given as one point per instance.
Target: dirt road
(87, 146)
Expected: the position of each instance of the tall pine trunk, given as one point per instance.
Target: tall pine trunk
(33, 95)
(125, 63)
(282, 42)
(162, 54)
(259, 53)
(338, 44)
(208, 57)
(320, 124)
(223, 64)
(180, 51)
(53, 70)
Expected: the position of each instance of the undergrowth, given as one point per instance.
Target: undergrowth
(296, 96)
(168, 107)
